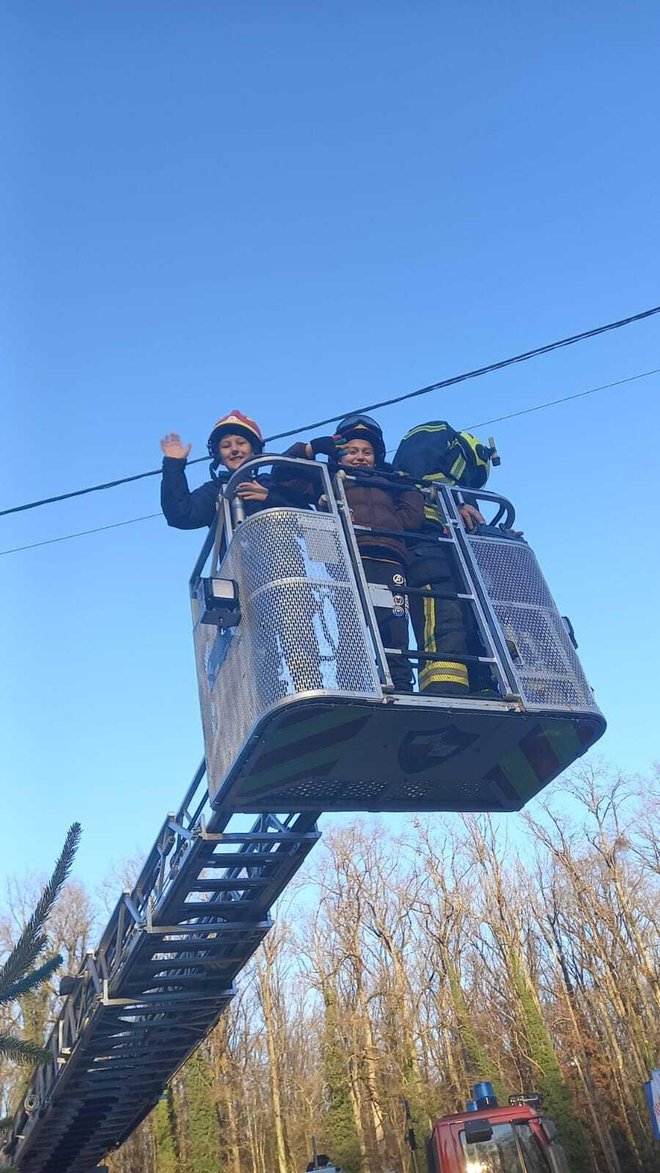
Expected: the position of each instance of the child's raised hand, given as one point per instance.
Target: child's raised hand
(171, 446)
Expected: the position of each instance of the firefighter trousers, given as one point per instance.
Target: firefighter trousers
(442, 626)
(393, 623)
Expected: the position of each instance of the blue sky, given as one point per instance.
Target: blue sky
(295, 209)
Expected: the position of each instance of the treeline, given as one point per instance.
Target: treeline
(405, 967)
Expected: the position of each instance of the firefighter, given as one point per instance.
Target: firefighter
(234, 439)
(381, 500)
(431, 453)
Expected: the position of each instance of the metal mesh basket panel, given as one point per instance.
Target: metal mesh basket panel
(301, 629)
(549, 670)
(285, 543)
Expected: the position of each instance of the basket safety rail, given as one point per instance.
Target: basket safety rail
(162, 975)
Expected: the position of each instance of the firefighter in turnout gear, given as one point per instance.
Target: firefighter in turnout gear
(431, 453)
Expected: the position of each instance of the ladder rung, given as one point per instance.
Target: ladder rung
(232, 859)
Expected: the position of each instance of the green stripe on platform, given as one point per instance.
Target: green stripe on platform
(264, 779)
(564, 740)
(522, 777)
(314, 723)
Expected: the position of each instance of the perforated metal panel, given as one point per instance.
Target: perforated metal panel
(549, 670)
(302, 629)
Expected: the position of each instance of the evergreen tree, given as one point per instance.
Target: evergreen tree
(202, 1121)
(550, 1081)
(342, 1132)
(477, 1059)
(20, 975)
(165, 1134)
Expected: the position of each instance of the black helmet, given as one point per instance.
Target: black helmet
(363, 427)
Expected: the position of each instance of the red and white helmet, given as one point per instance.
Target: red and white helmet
(236, 424)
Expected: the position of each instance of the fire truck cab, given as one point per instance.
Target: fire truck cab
(513, 1139)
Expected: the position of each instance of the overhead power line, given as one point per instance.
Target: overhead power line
(496, 420)
(475, 374)
(82, 533)
(564, 399)
(451, 382)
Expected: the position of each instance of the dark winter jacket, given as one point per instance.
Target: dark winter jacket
(379, 498)
(184, 509)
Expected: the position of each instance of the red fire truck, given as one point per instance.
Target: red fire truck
(489, 1139)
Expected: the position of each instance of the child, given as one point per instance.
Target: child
(376, 500)
(288, 649)
(234, 439)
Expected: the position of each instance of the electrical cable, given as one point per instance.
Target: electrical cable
(475, 374)
(564, 399)
(496, 420)
(451, 382)
(81, 533)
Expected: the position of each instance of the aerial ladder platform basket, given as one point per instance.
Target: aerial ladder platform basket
(298, 707)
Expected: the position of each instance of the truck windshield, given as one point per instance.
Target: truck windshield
(512, 1149)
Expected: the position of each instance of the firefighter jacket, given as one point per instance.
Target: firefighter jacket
(435, 452)
(379, 498)
(184, 509)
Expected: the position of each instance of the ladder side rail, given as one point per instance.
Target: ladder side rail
(188, 814)
(164, 858)
(189, 857)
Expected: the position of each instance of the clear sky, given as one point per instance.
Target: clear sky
(295, 209)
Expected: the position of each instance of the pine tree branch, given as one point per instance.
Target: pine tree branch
(54, 886)
(22, 1050)
(20, 961)
(32, 940)
(32, 980)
